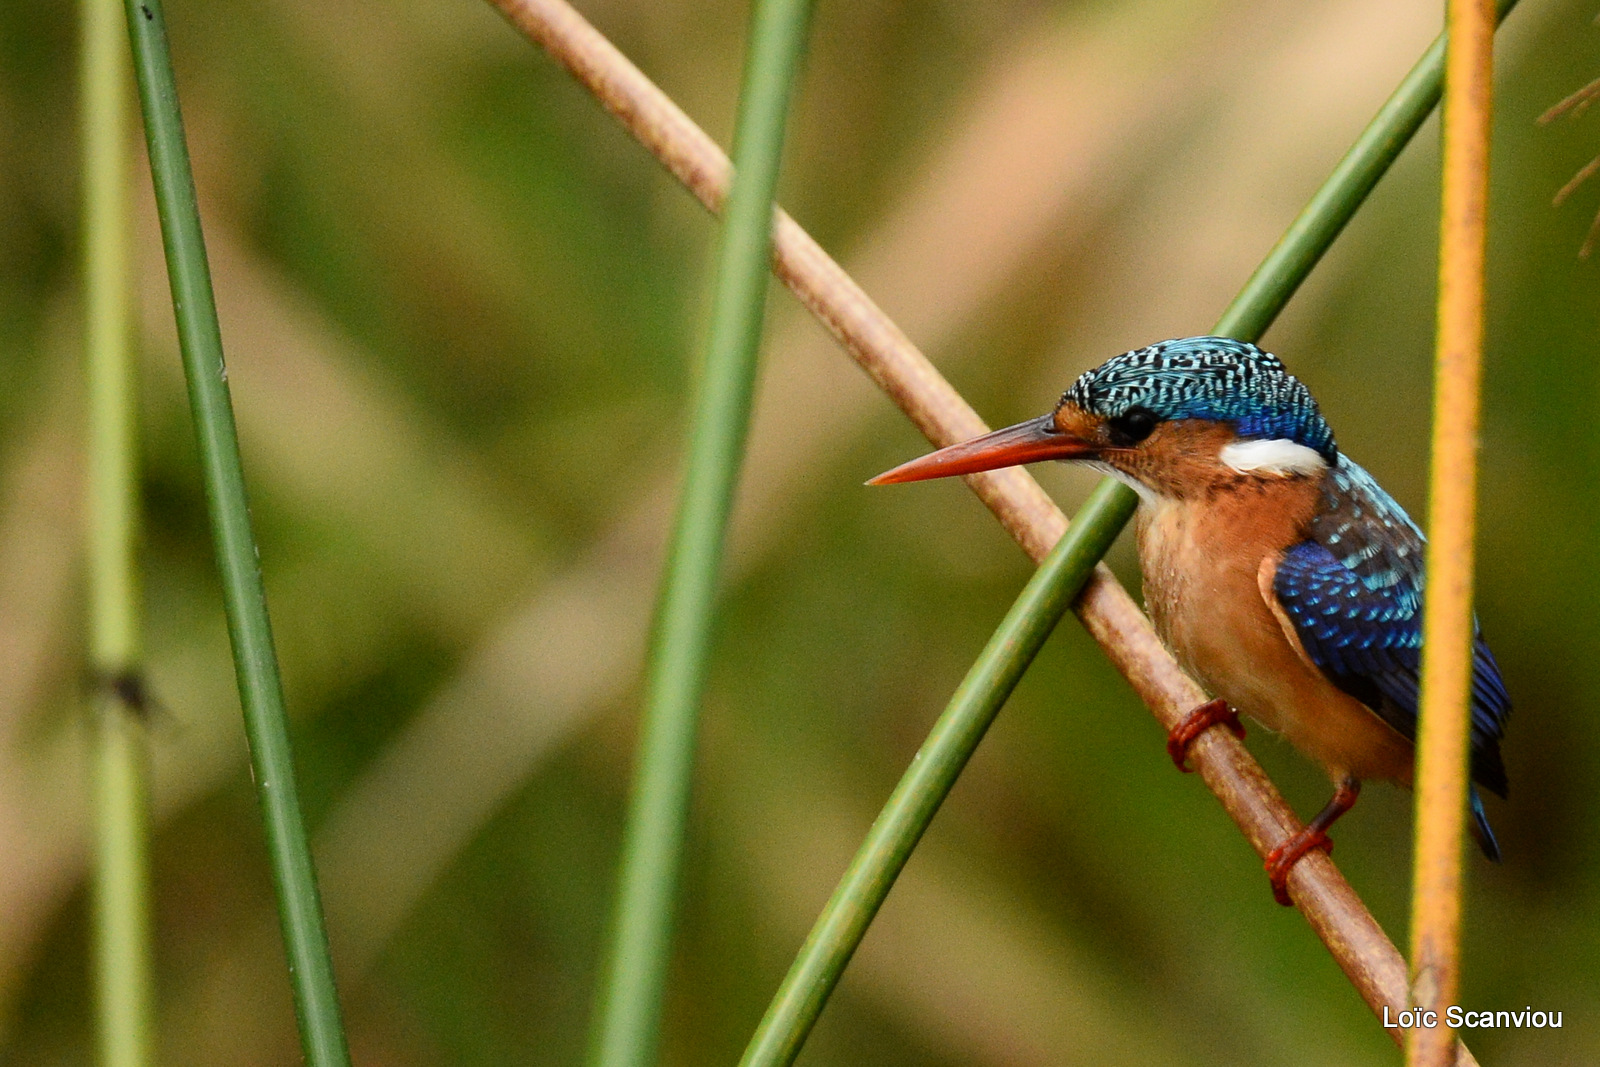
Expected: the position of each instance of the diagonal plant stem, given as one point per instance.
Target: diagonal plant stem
(244, 600)
(121, 891)
(933, 772)
(1355, 940)
(629, 1011)
(1445, 700)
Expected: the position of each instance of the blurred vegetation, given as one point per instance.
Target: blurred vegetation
(459, 305)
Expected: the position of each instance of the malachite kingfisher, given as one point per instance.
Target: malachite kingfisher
(1276, 570)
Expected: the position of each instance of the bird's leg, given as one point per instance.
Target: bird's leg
(1315, 835)
(1196, 723)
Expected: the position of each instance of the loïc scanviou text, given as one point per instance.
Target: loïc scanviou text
(1467, 1019)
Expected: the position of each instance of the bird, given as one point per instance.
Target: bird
(1276, 570)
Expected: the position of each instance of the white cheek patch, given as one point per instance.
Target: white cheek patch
(1281, 457)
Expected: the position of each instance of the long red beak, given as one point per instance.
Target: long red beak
(1026, 442)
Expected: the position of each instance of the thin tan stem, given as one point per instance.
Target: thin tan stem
(1442, 742)
(1574, 105)
(1588, 171)
(1335, 912)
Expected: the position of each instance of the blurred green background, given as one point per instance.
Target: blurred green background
(461, 308)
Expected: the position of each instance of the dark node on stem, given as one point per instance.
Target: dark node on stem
(148, 17)
(129, 689)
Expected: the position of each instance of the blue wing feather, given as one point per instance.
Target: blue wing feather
(1353, 590)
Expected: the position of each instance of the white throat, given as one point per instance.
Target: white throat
(1147, 495)
(1280, 457)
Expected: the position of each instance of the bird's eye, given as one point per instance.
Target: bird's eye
(1132, 426)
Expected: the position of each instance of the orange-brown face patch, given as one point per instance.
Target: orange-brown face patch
(1073, 420)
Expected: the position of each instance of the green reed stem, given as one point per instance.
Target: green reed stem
(629, 1005)
(955, 736)
(871, 874)
(121, 883)
(1334, 204)
(244, 600)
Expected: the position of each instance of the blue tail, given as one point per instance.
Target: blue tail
(1481, 831)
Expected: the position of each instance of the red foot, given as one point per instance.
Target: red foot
(1283, 858)
(1197, 722)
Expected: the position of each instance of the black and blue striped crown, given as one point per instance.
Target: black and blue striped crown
(1215, 378)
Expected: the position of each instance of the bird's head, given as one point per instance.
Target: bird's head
(1170, 420)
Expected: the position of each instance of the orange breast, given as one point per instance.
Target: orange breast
(1204, 561)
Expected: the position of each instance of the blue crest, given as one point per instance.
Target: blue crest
(1215, 378)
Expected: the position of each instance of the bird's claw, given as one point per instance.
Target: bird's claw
(1197, 722)
(1281, 860)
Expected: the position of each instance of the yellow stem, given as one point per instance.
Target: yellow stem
(1441, 779)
